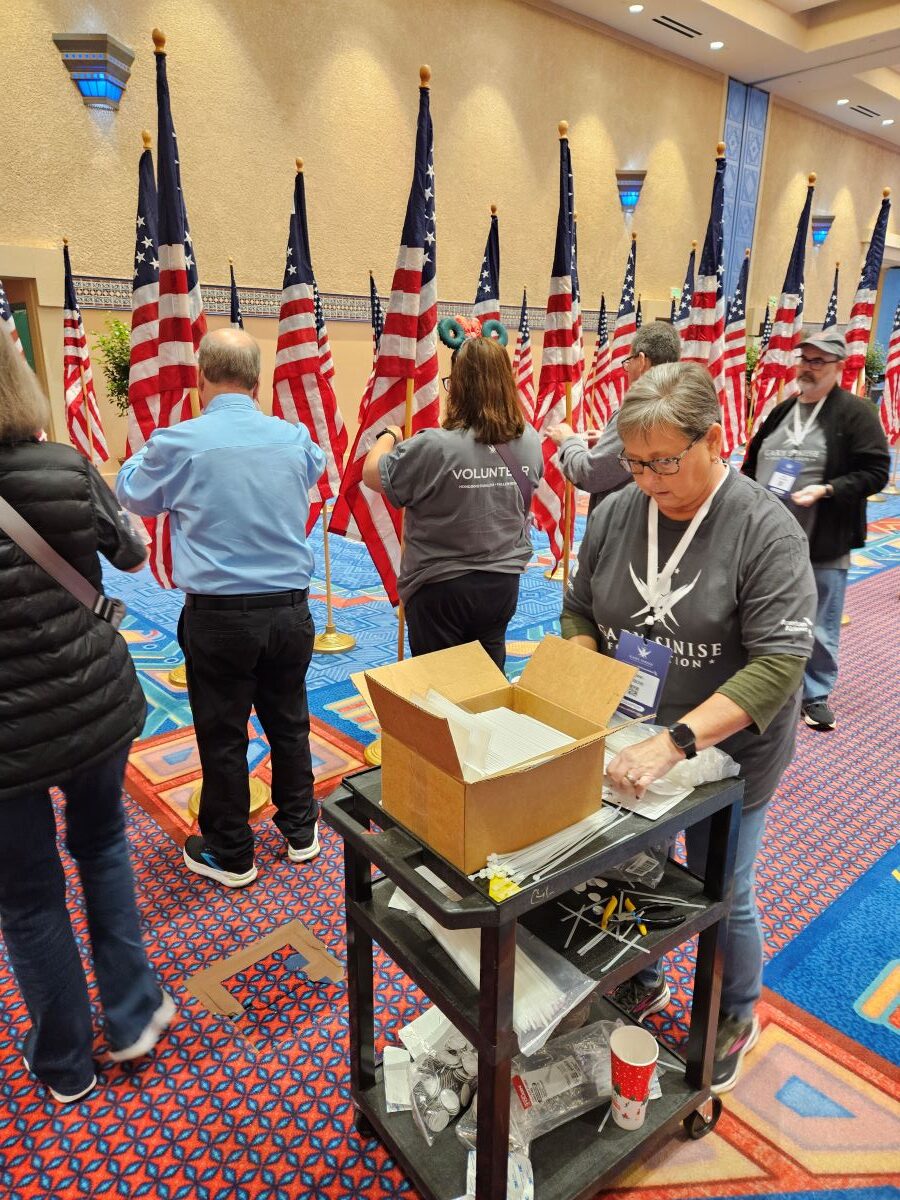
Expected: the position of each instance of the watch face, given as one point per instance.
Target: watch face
(682, 736)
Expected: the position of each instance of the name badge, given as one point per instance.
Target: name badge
(784, 476)
(652, 662)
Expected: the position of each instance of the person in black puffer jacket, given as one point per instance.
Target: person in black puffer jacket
(70, 707)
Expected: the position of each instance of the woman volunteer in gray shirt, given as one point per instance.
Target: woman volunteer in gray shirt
(466, 488)
(712, 567)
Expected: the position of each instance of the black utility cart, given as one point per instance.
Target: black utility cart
(573, 1161)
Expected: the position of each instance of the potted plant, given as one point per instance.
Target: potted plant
(875, 364)
(115, 358)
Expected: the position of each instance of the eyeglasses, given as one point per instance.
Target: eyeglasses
(631, 357)
(445, 380)
(659, 466)
(816, 363)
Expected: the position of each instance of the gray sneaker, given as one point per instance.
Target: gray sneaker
(818, 715)
(735, 1038)
(639, 1000)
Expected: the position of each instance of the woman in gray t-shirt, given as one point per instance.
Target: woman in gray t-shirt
(465, 536)
(706, 563)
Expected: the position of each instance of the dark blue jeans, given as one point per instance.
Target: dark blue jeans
(38, 931)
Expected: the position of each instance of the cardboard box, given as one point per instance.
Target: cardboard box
(567, 686)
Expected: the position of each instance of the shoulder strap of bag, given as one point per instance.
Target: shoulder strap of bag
(107, 608)
(526, 487)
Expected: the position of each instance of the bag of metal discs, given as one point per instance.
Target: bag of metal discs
(442, 1085)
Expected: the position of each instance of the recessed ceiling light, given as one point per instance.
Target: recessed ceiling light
(888, 121)
(716, 45)
(635, 8)
(843, 101)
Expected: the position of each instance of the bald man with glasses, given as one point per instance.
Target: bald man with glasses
(823, 454)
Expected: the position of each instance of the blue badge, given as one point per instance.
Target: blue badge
(784, 476)
(652, 661)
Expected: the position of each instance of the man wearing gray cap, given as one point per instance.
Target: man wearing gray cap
(823, 454)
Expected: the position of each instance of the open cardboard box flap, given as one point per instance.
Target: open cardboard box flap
(586, 683)
(461, 673)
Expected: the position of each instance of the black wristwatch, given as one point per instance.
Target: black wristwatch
(683, 737)
(389, 432)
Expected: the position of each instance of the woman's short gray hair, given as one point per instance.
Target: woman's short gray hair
(681, 395)
(24, 410)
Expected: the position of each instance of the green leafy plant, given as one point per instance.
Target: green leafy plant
(115, 356)
(752, 358)
(875, 363)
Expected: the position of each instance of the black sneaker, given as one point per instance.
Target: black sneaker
(201, 860)
(736, 1036)
(639, 1000)
(304, 851)
(818, 715)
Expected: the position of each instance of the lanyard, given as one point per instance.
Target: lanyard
(800, 434)
(658, 582)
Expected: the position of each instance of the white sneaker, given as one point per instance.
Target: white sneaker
(156, 1027)
(61, 1097)
(310, 850)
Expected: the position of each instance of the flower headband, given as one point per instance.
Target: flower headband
(454, 331)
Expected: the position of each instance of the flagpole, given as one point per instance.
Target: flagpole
(332, 641)
(407, 432)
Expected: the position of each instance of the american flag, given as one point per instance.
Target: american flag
(559, 362)
(890, 401)
(487, 294)
(303, 394)
(408, 352)
(860, 325)
(78, 378)
(734, 404)
(704, 339)
(327, 362)
(682, 315)
(624, 331)
(182, 322)
(237, 318)
(766, 330)
(376, 315)
(777, 366)
(523, 366)
(831, 311)
(596, 388)
(6, 318)
(638, 315)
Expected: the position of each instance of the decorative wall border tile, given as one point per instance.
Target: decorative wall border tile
(114, 295)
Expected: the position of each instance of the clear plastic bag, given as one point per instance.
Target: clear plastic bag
(442, 1085)
(647, 867)
(570, 1076)
(707, 766)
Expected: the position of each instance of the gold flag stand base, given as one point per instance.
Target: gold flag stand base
(876, 499)
(260, 796)
(557, 574)
(178, 676)
(892, 490)
(372, 753)
(332, 641)
(845, 619)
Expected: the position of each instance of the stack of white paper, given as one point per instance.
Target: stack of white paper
(498, 740)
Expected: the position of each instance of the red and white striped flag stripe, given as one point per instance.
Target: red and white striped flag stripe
(859, 328)
(597, 407)
(890, 400)
(734, 402)
(303, 393)
(523, 364)
(623, 332)
(82, 411)
(408, 351)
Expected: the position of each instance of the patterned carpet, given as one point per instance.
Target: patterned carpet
(258, 1106)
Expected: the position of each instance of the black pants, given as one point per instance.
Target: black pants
(237, 660)
(475, 607)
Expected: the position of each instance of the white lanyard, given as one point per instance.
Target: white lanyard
(658, 582)
(800, 434)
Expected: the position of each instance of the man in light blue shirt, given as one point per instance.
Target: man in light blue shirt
(235, 484)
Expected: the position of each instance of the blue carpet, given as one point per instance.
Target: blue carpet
(829, 967)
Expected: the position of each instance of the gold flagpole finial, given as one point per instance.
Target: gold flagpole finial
(812, 179)
(298, 163)
(424, 76)
(563, 128)
(159, 41)
(146, 138)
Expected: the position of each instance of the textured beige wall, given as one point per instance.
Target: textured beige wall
(256, 82)
(851, 173)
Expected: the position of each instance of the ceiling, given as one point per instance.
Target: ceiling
(811, 52)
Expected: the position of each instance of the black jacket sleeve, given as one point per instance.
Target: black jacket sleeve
(866, 456)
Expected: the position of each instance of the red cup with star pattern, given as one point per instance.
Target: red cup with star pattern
(633, 1052)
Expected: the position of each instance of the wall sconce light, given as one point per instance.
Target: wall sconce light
(99, 65)
(629, 184)
(820, 227)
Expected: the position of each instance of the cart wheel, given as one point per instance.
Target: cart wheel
(363, 1127)
(703, 1120)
